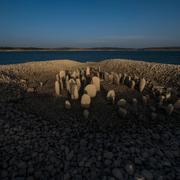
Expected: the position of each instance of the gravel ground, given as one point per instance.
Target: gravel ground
(72, 148)
(39, 139)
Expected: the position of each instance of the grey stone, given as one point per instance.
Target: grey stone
(108, 155)
(147, 174)
(130, 168)
(117, 173)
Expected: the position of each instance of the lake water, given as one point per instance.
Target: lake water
(168, 57)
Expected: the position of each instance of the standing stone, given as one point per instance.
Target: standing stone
(57, 88)
(110, 78)
(78, 82)
(91, 90)
(123, 78)
(61, 84)
(96, 82)
(106, 76)
(120, 76)
(116, 79)
(78, 73)
(62, 74)
(57, 77)
(142, 84)
(74, 92)
(85, 101)
(111, 96)
(132, 84)
(88, 71)
(67, 84)
(71, 84)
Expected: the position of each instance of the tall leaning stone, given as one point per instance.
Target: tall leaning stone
(142, 84)
(57, 88)
(96, 82)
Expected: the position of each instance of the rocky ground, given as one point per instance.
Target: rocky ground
(39, 139)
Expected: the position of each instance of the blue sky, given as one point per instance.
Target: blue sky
(89, 23)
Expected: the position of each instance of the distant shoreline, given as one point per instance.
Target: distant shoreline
(10, 49)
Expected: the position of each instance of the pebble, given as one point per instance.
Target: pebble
(147, 174)
(130, 168)
(117, 173)
(108, 155)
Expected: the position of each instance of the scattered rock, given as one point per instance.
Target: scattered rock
(117, 173)
(67, 104)
(130, 168)
(86, 114)
(122, 112)
(122, 103)
(147, 174)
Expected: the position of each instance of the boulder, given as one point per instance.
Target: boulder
(90, 89)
